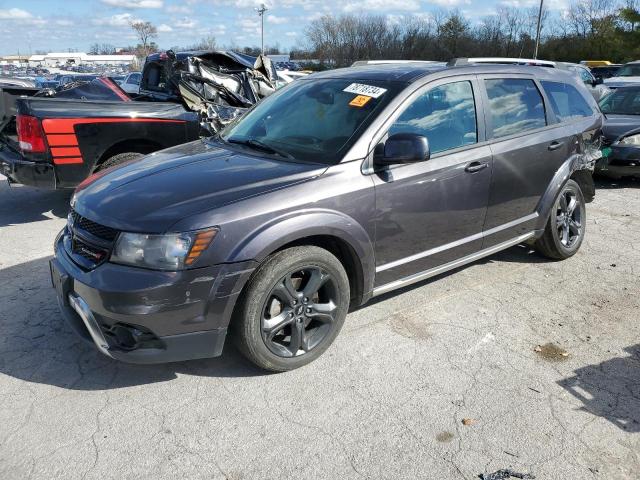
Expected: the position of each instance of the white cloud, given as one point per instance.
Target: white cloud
(178, 9)
(64, 23)
(164, 28)
(118, 20)
(14, 14)
(291, 34)
(378, 5)
(134, 3)
(277, 20)
(186, 23)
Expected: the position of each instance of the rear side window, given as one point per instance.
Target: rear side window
(515, 106)
(566, 101)
(446, 115)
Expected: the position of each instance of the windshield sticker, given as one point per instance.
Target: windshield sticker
(359, 101)
(362, 89)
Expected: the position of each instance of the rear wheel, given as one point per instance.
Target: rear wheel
(566, 226)
(293, 308)
(118, 159)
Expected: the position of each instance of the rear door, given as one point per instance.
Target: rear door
(528, 146)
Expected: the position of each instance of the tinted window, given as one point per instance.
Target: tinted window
(515, 106)
(446, 115)
(134, 78)
(566, 101)
(629, 70)
(623, 101)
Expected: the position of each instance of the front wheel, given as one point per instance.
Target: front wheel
(293, 308)
(566, 226)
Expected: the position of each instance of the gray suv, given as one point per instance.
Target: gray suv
(340, 187)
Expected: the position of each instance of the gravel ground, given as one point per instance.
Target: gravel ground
(512, 362)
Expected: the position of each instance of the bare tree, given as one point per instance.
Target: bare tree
(145, 31)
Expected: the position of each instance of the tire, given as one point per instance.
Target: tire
(281, 302)
(118, 159)
(566, 225)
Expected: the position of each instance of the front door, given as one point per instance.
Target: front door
(432, 212)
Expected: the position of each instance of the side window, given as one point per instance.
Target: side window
(586, 76)
(515, 106)
(446, 115)
(566, 101)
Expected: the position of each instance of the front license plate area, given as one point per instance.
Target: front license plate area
(60, 281)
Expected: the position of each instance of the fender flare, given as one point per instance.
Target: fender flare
(294, 226)
(576, 162)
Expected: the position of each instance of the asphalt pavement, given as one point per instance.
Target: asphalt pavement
(512, 362)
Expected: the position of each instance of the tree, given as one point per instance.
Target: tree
(145, 31)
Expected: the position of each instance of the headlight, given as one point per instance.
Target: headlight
(171, 251)
(631, 140)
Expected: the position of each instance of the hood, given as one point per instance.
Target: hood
(617, 125)
(617, 82)
(151, 194)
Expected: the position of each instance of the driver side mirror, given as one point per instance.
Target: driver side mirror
(598, 81)
(403, 148)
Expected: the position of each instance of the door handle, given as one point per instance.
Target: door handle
(555, 145)
(476, 167)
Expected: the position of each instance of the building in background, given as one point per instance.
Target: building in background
(80, 58)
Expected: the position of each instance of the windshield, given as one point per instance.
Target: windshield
(313, 120)
(629, 70)
(622, 102)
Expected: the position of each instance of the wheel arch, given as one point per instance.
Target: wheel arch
(138, 145)
(573, 168)
(340, 235)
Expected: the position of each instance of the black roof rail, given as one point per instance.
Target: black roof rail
(456, 62)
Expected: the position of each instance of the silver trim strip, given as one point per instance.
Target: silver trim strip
(403, 282)
(84, 312)
(455, 244)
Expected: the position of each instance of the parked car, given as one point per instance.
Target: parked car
(131, 83)
(595, 86)
(57, 138)
(621, 146)
(602, 73)
(628, 74)
(343, 186)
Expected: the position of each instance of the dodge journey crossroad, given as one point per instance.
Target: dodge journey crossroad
(340, 187)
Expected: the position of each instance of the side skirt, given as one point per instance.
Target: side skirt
(417, 277)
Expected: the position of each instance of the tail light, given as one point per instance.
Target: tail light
(30, 134)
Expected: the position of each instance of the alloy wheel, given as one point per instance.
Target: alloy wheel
(300, 311)
(569, 218)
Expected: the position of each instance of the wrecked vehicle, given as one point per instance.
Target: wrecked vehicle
(344, 185)
(621, 132)
(55, 138)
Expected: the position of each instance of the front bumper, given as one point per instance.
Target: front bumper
(142, 316)
(620, 162)
(18, 170)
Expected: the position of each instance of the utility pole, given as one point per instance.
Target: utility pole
(261, 11)
(535, 54)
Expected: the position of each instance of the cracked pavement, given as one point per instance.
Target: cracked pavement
(386, 401)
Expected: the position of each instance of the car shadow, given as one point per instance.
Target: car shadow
(21, 205)
(610, 389)
(37, 346)
(605, 183)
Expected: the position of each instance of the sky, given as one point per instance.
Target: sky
(54, 25)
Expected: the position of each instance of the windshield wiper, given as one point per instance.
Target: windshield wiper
(258, 145)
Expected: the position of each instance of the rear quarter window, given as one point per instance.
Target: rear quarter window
(515, 106)
(566, 101)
